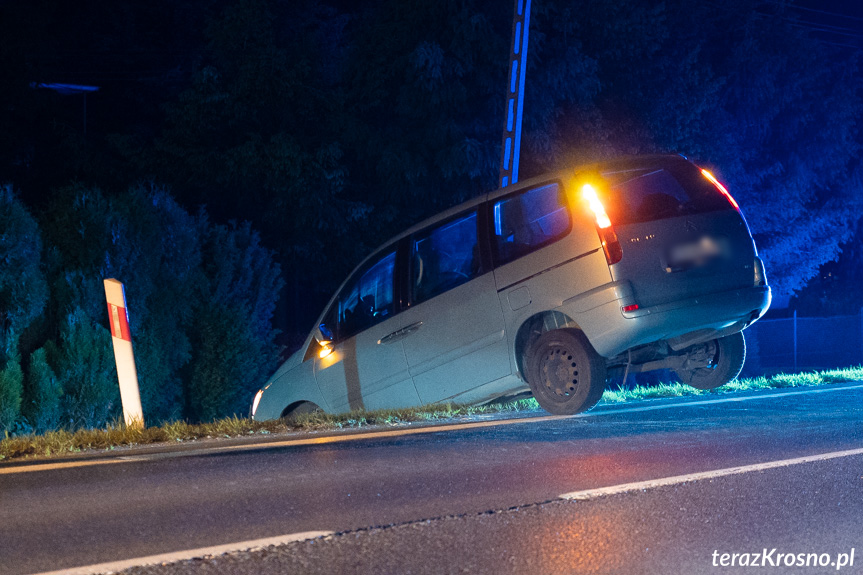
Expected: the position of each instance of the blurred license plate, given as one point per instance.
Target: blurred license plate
(698, 253)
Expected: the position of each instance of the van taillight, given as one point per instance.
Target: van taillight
(610, 245)
(721, 188)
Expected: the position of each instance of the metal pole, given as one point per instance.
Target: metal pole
(795, 340)
(511, 145)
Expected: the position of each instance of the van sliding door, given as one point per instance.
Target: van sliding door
(458, 341)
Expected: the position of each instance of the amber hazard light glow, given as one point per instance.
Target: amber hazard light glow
(589, 193)
(326, 349)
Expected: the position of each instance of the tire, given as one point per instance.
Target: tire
(565, 373)
(726, 364)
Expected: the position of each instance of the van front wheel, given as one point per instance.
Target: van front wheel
(727, 355)
(565, 373)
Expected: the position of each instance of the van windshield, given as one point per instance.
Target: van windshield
(658, 191)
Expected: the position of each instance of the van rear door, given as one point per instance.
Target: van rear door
(681, 235)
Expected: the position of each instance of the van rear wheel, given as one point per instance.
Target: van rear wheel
(565, 373)
(729, 353)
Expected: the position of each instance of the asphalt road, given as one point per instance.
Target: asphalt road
(494, 491)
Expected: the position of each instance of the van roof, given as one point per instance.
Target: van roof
(615, 163)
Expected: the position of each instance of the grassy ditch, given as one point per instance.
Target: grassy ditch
(117, 435)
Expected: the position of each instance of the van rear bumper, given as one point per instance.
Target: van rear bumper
(682, 322)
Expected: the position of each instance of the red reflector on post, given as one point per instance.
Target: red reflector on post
(119, 322)
(628, 308)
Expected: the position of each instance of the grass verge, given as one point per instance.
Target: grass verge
(117, 435)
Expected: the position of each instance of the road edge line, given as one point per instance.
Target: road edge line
(588, 494)
(176, 556)
(690, 401)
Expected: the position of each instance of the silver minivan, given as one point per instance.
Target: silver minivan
(543, 287)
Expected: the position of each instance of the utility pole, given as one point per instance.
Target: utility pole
(514, 94)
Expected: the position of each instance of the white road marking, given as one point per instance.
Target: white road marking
(731, 399)
(116, 566)
(678, 479)
(435, 428)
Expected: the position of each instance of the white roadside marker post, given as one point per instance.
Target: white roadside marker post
(118, 317)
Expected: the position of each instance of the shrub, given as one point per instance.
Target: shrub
(42, 394)
(23, 290)
(226, 365)
(160, 263)
(23, 295)
(10, 394)
(87, 373)
(233, 339)
(146, 240)
(200, 296)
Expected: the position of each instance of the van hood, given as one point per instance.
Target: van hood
(294, 360)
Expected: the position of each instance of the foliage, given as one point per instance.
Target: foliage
(836, 289)
(23, 291)
(161, 327)
(426, 77)
(188, 281)
(86, 373)
(253, 120)
(23, 295)
(42, 394)
(11, 388)
(234, 349)
(794, 146)
(146, 240)
(226, 367)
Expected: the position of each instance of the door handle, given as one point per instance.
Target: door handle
(400, 333)
(412, 328)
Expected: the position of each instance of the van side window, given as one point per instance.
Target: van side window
(444, 258)
(369, 299)
(528, 221)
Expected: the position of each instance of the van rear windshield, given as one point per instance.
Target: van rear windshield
(658, 191)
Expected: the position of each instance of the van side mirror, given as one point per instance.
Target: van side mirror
(324, 337)
(323, 334)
